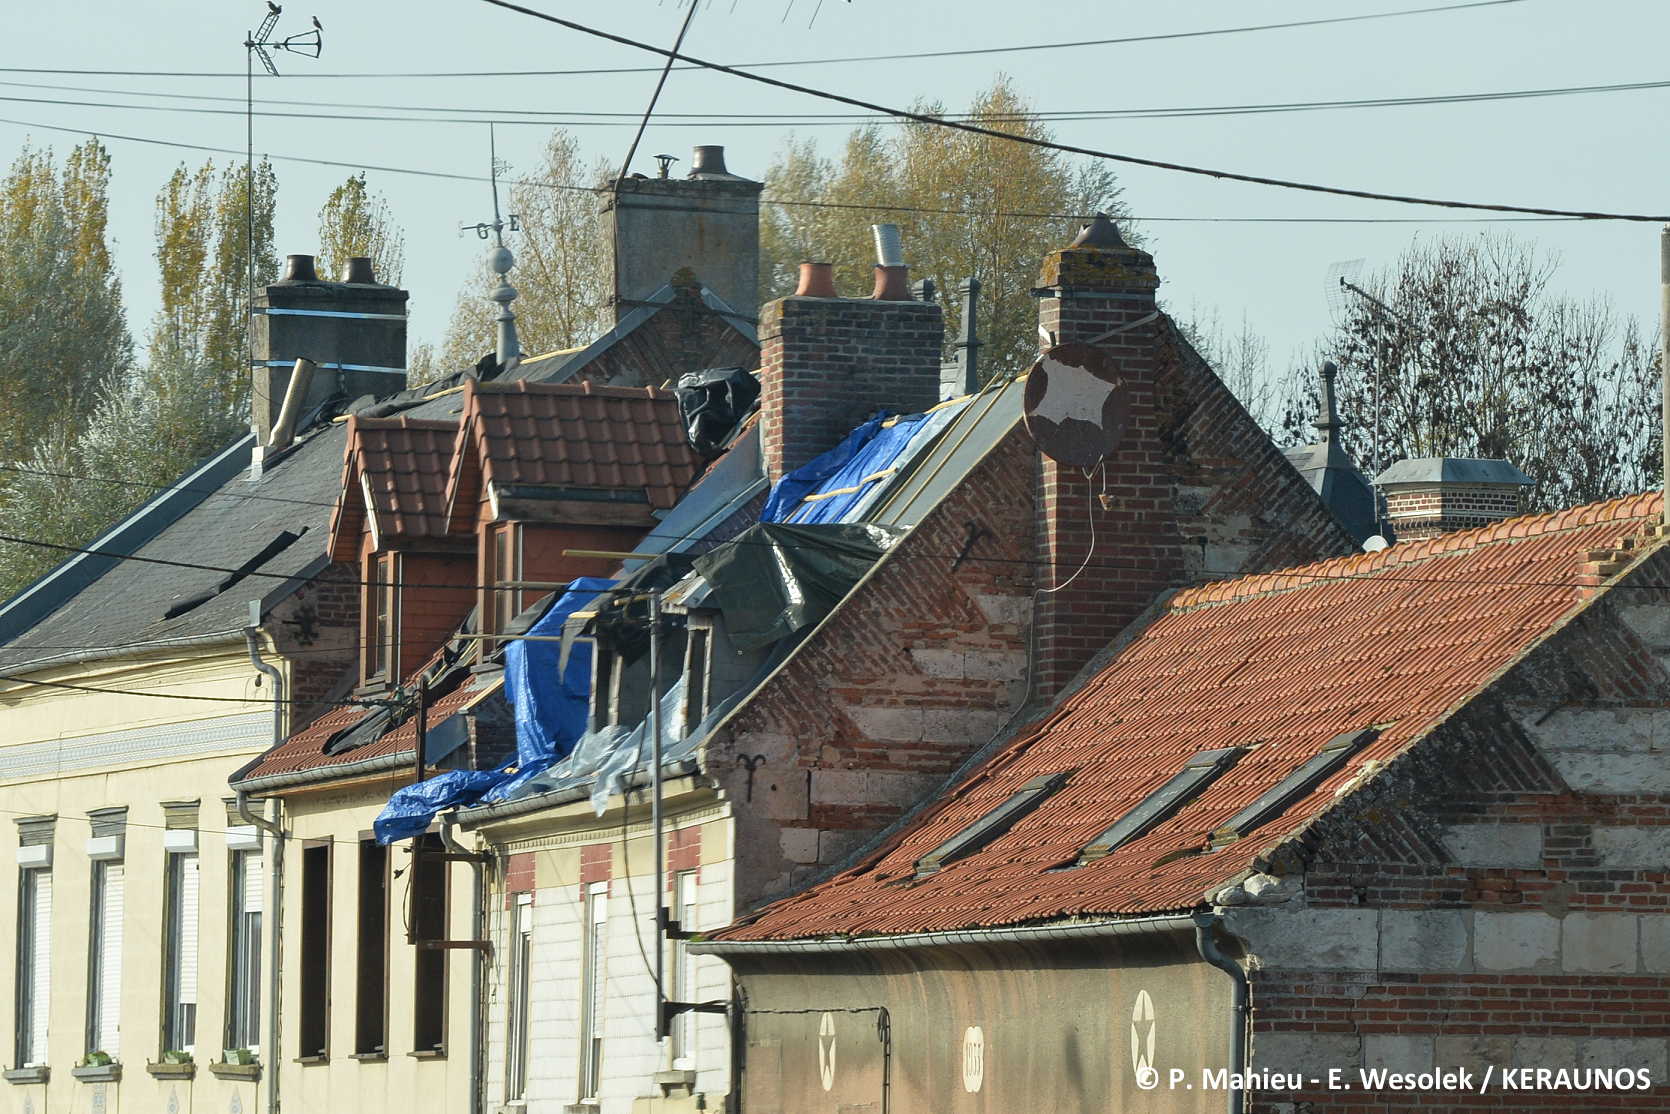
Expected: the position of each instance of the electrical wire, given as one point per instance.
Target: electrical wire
(1072, 149)
(779, 62)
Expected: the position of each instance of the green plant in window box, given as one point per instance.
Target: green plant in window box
(96, 1059)
(243, 1056)
(176, 1056)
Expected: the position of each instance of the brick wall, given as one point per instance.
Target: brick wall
(317, 628)
(1499, 898)
(1424, 512)
(827, 364)
(681, 337)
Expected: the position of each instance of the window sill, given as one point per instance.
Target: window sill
(371, 1057)
(40, 1073)
(429, 1054)
(98, 1073)
(186, 1070)
(241, 1072)
(321, 1058)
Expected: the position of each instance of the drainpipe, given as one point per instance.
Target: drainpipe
(275, 889)
(1208, 949)
(478, 931)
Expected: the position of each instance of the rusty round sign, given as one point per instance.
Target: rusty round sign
(1077, 404)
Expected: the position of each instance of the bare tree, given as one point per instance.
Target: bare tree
(1462, 349)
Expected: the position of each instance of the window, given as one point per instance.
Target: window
(1199, 772)
(429, 901)
(315, 974)
(1334, 754)
(382, 620)
(104, 967)
(243, 1007)
(34, 963)
(179, 1017)
(504, 569)
(684, 970)
(695, 685)
(593, 987)
(521, 998)
(993, 824)
(371, 990)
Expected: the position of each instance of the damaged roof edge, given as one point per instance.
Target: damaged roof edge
(482, 815)
(318, 774)
(127, 537)
(1059, 930)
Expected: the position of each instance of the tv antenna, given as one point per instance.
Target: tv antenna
(261, 42)
(499, 258)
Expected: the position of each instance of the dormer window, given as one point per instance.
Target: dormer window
(381, 636)
(1164, 803)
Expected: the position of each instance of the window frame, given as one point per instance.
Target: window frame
(1165, 801)
(244, 955)
(431, 897)
(382, 618)
(33, 1024)
(176, 963)
(518, 1030)
(686, 910)
(313, 1013)
(100, 954)
(594, 972)
(371, 959)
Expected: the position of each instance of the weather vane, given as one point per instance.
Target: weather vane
(500, 259)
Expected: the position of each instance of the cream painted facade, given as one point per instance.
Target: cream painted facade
(568, 844)
(69, 753)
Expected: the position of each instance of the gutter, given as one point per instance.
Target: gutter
(1024, 934)
(275, 861)
(481, 815)
(294, 778)
(1208, 948)
(131, 649)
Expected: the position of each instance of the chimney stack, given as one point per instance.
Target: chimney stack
(1107, 543)
(827, 364)
(353, 331)
(708, 221)
(1436, 495)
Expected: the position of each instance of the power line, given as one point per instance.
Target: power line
(1050, 145)
(779, 62)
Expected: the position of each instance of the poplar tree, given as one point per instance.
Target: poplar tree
(354, 222)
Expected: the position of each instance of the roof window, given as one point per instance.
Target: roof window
(993, 824)
(1296, 785)
(1162, 804)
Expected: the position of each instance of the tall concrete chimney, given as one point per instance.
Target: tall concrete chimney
(354, 332)
(708, 221)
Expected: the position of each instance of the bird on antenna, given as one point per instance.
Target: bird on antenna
(317, 26)
(274, 8)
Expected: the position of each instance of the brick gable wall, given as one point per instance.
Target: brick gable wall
(318, 629)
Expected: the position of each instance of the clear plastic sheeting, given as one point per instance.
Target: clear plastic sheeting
(775, 579)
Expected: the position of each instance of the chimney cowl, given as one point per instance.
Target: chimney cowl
(890, 250)
(1101, 232)
(359, 270)
(817, 280)
(299, 268)
(709, 162)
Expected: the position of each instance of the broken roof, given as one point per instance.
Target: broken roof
(568, 436)
(1277, 666)
(400, 464)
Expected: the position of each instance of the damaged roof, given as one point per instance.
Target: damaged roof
(402, 465)
(1272, 668)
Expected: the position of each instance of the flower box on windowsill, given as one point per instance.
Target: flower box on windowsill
(170, 1070)
(38, 1073)
(98, 1073)
(220, 1069)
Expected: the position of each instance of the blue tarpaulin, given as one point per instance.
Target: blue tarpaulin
(791, 489)
(551, 715)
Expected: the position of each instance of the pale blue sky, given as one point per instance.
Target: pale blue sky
(1591, 152)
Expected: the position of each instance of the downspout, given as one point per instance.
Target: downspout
(275, 889)
(478, 930)
(1208, 949)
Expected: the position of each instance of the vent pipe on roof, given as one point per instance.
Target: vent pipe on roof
(817, 280)
(359, 269)
(709, 159)
(892, 276)
(301, 379)
(299, 268)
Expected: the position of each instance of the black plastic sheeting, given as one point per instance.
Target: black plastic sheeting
(622, 622)
(775, 579)
(712, 402)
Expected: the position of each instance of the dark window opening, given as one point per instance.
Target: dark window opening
(429, 922)
(504, 569)
(695, 673)
(315, 973)
(371, 991)
(34, 955)
(1162, 804)
(181, 928)
(993, 823)
(1299, 784)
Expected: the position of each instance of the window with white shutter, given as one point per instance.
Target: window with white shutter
(34, 965)
(104, 975)
(243, 1013)
(180, 1009)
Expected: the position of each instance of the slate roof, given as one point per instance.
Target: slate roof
(1281, 663)
(405, 463)
(1453, 470)
(569, 435)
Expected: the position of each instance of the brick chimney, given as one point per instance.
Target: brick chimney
(1100, 291)
(707, 221)
(828, 364)
(354, 330)
(1435, 495)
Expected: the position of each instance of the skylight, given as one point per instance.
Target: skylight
(1199, 772)
(1300, 783)
(993, 824)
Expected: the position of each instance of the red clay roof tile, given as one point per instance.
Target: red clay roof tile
(1279, 663)
(404, 463)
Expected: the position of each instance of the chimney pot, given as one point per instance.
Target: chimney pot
(708, 159)
(817, 280)
(1101, 232)
(299, 268)
(892, 284)
(359, 269)
(889, 251)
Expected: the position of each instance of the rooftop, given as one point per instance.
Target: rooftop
(1276, 666)
(402, 464)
